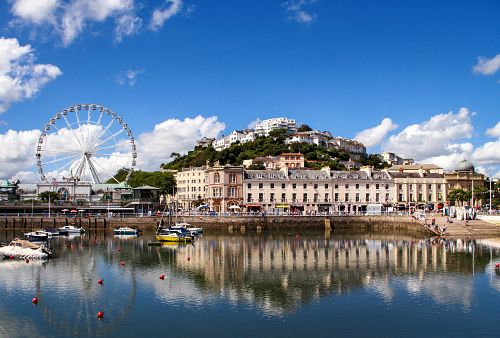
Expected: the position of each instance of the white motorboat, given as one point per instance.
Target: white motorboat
(71, 230)
(38, 235)
(192, 230)
(21, 249)
(127, 231)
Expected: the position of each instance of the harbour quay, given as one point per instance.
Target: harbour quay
(394, 223)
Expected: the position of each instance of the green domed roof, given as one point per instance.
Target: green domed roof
(464, 165)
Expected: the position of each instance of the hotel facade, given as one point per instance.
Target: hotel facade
(299, 190)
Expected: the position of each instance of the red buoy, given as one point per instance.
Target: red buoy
(11, 257)
(100, 315)
(497, 266)
(34, 300)
(297, 237)
(122, 263)
(27, 260)
(189, 258)
(118, 250)
(100, 281)
(162, 276)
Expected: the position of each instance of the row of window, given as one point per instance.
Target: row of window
(420, 198)
(315, 186)
(179, 182)
(232, 178)
(326, 198)
(231, 192)
(420, 186)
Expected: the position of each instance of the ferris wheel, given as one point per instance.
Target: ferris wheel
(88, 143)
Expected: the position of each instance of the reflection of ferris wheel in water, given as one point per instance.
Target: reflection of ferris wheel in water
(86, 142)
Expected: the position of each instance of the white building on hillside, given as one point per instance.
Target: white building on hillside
(241, 136)
(353, 147)
(264, 127)
(394, 159)
(311, 137)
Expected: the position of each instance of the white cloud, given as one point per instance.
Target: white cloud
(487, 66)
(127, 25)
(173, 135)
(495, 131)
(129, 77)
(374, 136)
(488, 153)
(78, 13)
(20, 77)
(160, 15)
(296, 11)
(432, 139)
(69, 18)
(254, 123)
(35, 11)
(18, 151)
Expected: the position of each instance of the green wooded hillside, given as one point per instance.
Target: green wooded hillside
(316, 157)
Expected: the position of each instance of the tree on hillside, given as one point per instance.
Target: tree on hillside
(257, 166)
(304, 127)
(373, 160)
(279, 134)
(175, 156)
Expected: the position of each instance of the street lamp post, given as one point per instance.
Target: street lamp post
(50, 190)
(490, 193)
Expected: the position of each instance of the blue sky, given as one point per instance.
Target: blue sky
(341, 66)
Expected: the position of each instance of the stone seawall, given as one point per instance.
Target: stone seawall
(357, 223)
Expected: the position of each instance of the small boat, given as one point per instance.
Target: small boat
(38, 235)
(71, 230)
(21, 249)
(53, 231)
(193, 230)
(127, 231)
(173, 235)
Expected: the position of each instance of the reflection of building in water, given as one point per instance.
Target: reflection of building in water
(269, 271)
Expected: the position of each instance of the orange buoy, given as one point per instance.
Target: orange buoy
(100, 282)
(100, 315)
(122, 263)
(34, 300)
(162, 276)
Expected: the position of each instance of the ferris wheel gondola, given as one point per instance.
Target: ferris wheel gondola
(87, 142)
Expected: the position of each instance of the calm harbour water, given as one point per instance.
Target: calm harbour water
(254, 285)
